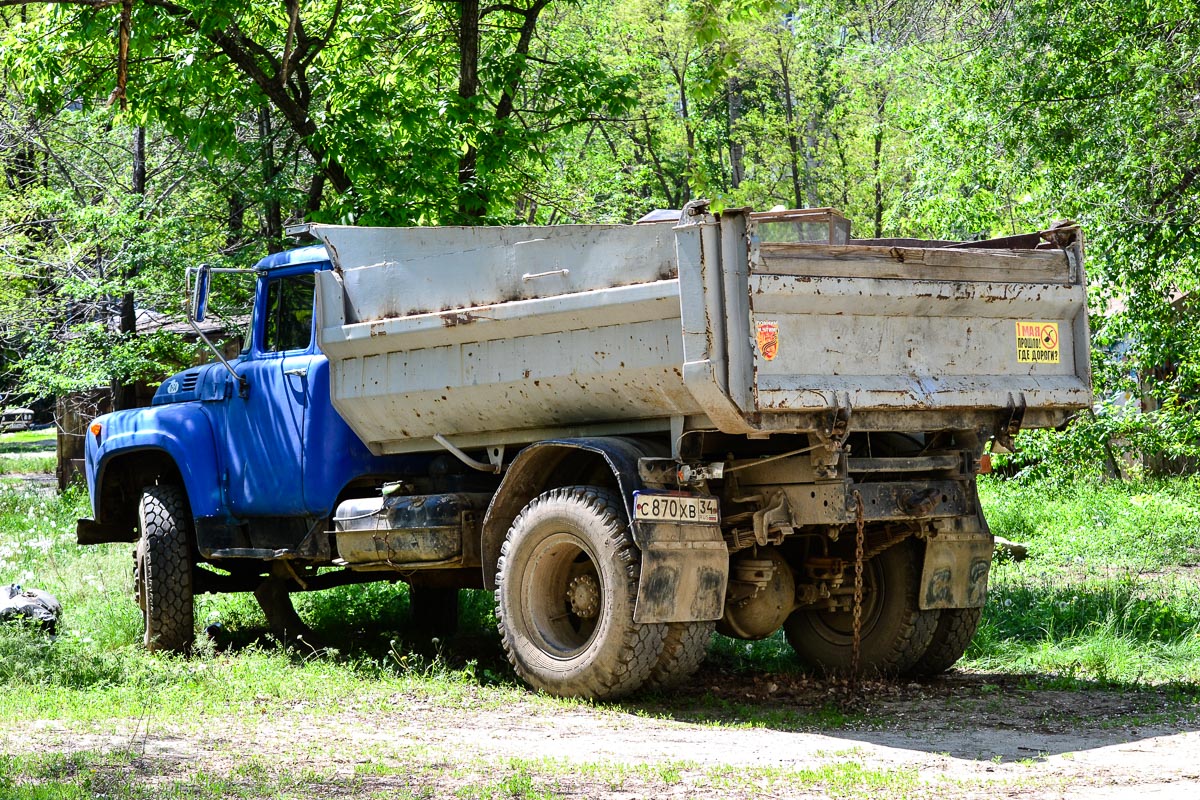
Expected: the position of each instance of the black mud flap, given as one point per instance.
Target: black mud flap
(685, 569)
(88, 531)
(956, 570)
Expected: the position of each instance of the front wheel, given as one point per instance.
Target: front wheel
(163, 569)
(566, 585)
(894, 632)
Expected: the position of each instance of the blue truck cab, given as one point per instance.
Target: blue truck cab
(260, 457)
(233, 473)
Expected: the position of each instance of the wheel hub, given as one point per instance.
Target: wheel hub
(583, 596)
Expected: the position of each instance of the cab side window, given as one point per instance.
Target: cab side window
(289, 312)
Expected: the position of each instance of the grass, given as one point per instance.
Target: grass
(125, 774)
(1110, 591)
(44, 439)
(1109, 597)
(35, 462)
(27, 452)
(1109, 594)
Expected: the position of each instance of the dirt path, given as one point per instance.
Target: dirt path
(965, 736)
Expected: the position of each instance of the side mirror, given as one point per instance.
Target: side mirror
(200, 293)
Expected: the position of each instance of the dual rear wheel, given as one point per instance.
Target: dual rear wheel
(897, 637)
(566, 586)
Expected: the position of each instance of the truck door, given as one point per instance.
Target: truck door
(266, 427)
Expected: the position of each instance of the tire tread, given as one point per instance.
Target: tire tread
(641, 644)
(169, 612)
(956, 628)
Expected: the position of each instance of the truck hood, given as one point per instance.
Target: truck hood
(206, 382)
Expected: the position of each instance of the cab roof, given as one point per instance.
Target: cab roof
(311, 254)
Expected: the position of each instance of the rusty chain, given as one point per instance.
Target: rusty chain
(856, 640)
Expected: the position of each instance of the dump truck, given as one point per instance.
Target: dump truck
(633, 435)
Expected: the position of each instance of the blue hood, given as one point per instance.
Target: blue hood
(206, 382)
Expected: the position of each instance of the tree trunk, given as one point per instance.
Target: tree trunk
(689, 134)
(472, 200)
(272, 215)
(236, 205)
(877, 161)
(737, 152)
(125, 394)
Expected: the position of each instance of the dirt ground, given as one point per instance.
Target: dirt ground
(961, 736)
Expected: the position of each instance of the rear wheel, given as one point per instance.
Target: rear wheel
(566, 585)
(955, 629)
(894, 633)
(684, 648)
(163, 571)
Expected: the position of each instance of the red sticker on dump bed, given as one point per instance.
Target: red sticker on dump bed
(768, 340)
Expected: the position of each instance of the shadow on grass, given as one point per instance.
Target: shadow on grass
(1003, 712)
(374, 621)
(47, 445)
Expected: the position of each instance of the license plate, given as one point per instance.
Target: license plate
(675, 508)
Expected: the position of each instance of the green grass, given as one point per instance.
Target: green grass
(27, 451)
(127, 775)
(28, 440)
(1110, 592)
(35, 462)
(1109, 596)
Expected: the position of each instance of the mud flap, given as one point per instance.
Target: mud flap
(956, 570)
(685, 569)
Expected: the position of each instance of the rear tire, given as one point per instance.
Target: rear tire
(684, 649)
(163, 571)
(955, 629)
(566, 585)
(895, 632)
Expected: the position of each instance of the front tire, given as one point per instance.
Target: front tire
(163, 571)
(895, 632)
(566, 585)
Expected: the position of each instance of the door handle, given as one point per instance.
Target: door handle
(300, 372)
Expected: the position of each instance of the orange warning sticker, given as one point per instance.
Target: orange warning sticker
(768, 339)
(1037, 342)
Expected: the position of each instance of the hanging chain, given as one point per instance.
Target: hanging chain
(856, 642)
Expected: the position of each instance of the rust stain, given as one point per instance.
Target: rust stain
(456, 318)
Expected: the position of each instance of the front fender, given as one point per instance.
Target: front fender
(183, 432)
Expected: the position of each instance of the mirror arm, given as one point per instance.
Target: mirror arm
(243, 384)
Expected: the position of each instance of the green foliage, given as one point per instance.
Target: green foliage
(94, 356)
(1106, 593)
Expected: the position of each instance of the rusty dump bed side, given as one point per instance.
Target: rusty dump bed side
(494, 336)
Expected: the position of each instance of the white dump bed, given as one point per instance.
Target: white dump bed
(492, 336)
